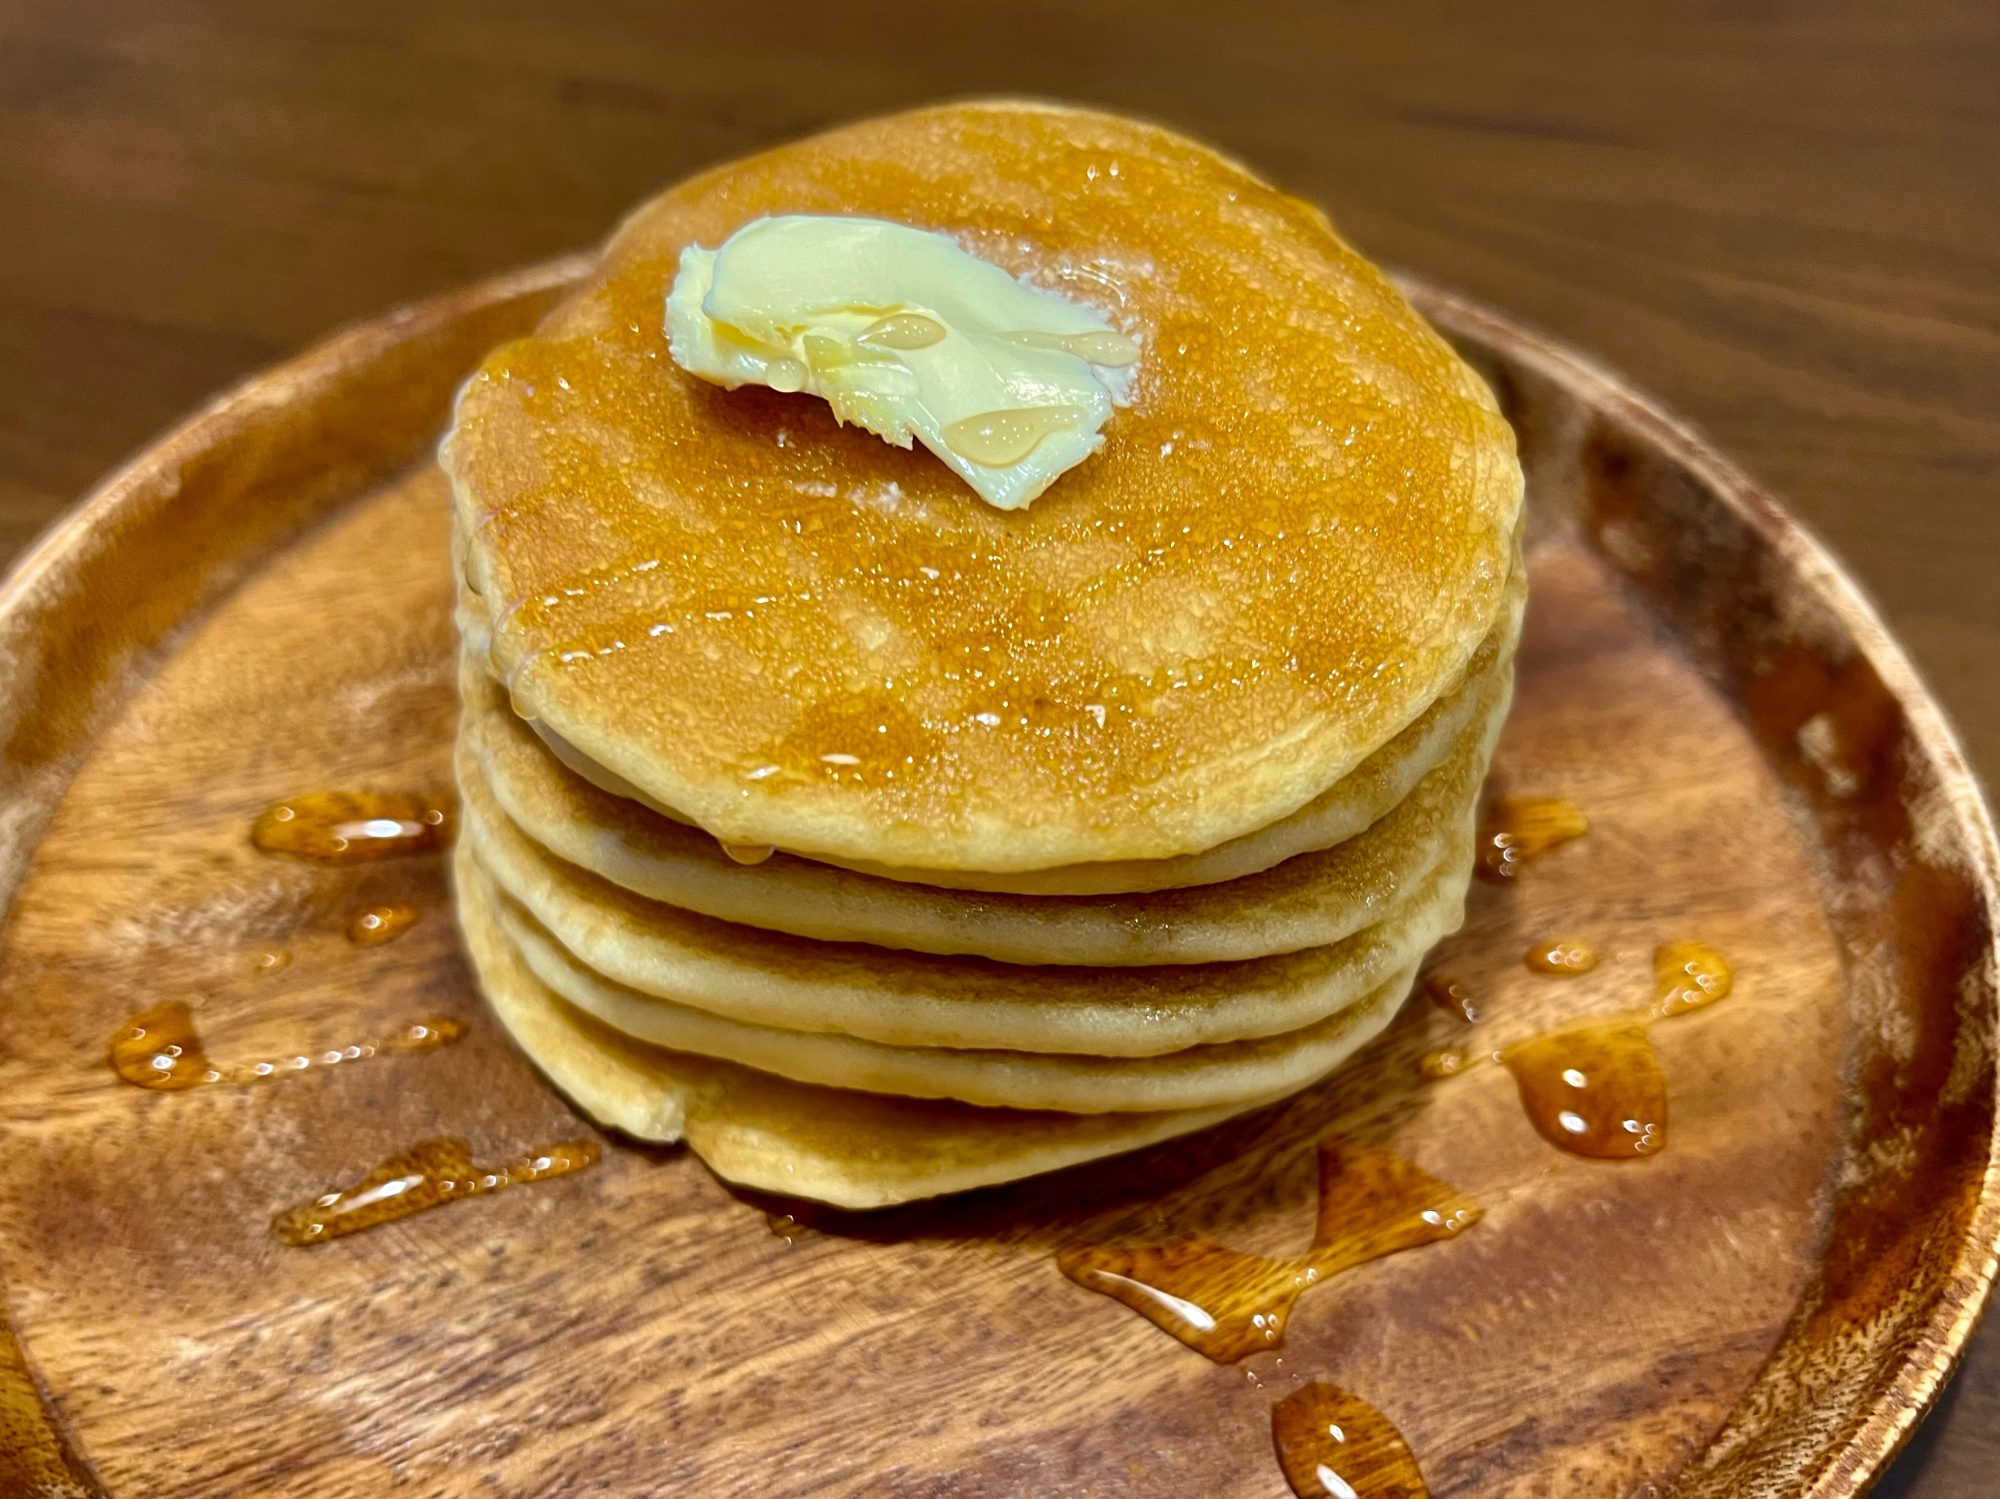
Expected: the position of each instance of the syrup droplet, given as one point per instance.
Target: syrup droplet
(1519, 830)
(1334, 1445)
(1594, 1090)
(995, 439)
(748, 853)
(1452, 996)
(1445, 1062)
(1563, 958)
(347, 827)
(903, 330)
(1227, 1304)
(1112, 351)
(381, 924)
(786, 1227)
(1687, 976)
(272, 961)
(428, 1175)
(161, 1050)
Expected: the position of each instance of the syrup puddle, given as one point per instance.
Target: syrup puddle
(161, 1050)
(1335, 1445)
(350, 827)
(1519, 830)
(1562, 958)
(1596, 1088)
(1227, 1304)
(380, 924)
(430, 1174)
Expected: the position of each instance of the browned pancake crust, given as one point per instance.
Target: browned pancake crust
(1292, 541)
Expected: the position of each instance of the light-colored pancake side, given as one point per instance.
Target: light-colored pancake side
(1310, 900)
(853, 1150)
(911, 999)
(535, 795)
(1197, 1077)
(1292, 542)
(1349, 806)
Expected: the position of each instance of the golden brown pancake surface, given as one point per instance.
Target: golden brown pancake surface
(1293, 540)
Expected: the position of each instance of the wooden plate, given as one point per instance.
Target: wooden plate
(258, 606)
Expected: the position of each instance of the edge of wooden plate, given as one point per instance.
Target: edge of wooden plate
(1835, 1453)
(172, 530)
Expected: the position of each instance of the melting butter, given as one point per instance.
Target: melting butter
(905, 334)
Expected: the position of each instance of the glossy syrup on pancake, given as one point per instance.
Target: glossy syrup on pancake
(1292, 541)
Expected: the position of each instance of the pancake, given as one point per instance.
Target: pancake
(854, 1150)
(1195, 1077)
(1292, 543)
(1311, 900)
(901, 999)
(544, 801)
(1308, 901)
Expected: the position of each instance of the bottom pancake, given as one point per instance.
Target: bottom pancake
(1196, 1077)
(853, 1150)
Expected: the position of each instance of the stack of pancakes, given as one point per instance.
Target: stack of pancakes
(880, 843)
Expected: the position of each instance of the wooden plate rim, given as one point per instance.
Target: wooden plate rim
(37, 581)
(1931, 1360)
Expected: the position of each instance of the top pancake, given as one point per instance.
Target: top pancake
(1292, 541)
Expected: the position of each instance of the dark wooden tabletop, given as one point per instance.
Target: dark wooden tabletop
(1781, 218)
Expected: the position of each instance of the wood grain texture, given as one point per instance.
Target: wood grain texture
(591, 1303)
(1777, 217)
(1760, 1311)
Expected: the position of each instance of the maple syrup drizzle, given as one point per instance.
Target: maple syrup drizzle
(1563, 958)
(161, 1050)
(1453, 997)
(428, 1175)
(349, 827)
(381, 924)
(1335, 1445)
(1519, 830)
(1228, 1304)
(1596, 1088)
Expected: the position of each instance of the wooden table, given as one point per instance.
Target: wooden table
(1779, 219)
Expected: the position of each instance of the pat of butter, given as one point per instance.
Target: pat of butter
(905, 334)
